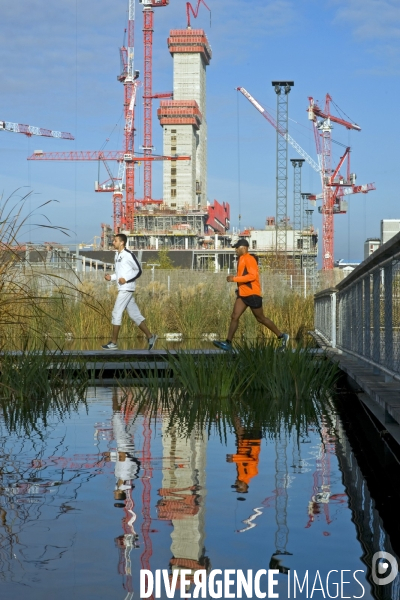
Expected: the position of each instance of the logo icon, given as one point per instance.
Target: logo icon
(384, 568)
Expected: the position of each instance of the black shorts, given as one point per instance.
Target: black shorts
(252, 301)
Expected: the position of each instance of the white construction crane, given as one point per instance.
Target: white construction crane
(30, 130)
(344, 191)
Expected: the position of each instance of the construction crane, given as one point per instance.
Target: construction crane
(332, 181)
(195, 11)
(335, 186)
(123, 211)
(30, 130)
(148, 28)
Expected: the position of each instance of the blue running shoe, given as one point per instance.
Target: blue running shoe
(227, 346)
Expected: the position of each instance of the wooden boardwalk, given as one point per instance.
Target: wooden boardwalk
(108, 367)
(378, 392)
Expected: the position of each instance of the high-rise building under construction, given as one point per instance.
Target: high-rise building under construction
(184, 121)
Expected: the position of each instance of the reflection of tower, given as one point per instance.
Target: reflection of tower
(281, 500)
(184, 120)
(183, 497)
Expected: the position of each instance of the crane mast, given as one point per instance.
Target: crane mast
(332, 182)
(148, 28)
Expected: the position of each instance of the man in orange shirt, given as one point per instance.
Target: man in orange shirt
(248, 295)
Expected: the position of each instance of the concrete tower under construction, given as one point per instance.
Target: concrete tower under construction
(184, 121)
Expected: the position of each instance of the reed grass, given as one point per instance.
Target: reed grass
(84, 312)
(82, 309)
(35, 385)
(26, 312)
(257, 383)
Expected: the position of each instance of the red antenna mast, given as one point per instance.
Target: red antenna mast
(195, 11)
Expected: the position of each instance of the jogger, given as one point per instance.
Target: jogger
(248, 296)
(127, 270)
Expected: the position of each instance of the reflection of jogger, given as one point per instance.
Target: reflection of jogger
(248, 295)
(127, 468)
(127, 270)
(247, 456)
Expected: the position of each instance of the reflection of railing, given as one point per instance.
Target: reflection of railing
(371, 532)
(362, 314)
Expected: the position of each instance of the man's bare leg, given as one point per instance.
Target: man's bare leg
(143, 327)
(238, 309)
(261, 318)
(115, 333)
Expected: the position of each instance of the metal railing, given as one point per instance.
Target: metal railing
(361, 315)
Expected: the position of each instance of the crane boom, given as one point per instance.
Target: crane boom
(314, 111)
(118, 155)
(283, 133)
(30, 130)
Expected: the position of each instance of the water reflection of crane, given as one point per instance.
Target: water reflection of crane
(321, 494)
(29, 485)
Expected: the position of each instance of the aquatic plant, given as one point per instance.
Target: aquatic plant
(257, 383)
(36, 384)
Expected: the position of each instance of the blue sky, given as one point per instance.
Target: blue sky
(58, 67)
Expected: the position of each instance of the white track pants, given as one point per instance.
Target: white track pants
(125, 301)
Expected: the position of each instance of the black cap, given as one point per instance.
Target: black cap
(241, 242)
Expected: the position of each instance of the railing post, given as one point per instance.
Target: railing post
(376, 318)
(333, 319)
(367, 316)
(388, 333)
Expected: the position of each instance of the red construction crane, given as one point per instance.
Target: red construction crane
(123, 211)
(195, 11)
(30, 130)
(334, 185)
(148, 27)
(332, 180)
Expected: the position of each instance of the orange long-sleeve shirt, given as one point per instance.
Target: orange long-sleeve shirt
(247, 277)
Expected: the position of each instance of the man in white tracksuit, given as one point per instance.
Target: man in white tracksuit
(127, 270)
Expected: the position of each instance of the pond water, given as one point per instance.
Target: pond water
(93, 496)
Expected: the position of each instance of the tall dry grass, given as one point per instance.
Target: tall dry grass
(39, 307)
(192, 310)
(29, 316)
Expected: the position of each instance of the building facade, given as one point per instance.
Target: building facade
(184, 121)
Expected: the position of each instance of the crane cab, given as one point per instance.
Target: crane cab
(154, 3)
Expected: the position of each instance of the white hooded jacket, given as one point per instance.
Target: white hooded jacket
(128, 267)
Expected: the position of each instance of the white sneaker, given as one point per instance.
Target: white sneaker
(284, 341)
(110, 346)
(152, 341)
